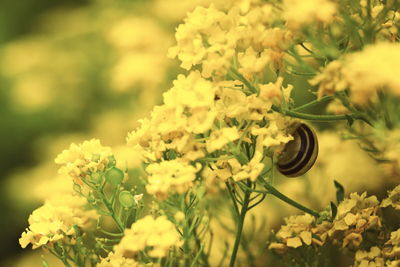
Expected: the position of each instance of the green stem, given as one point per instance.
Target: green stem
(109, 207)
(314, 102)
(240, 77)
(235, 206)
(273, 191)
(239, 230)
(313, 117)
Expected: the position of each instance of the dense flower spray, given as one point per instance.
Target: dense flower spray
(215, 140)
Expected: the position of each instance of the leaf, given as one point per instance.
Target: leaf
(339, 191)
(333, 210)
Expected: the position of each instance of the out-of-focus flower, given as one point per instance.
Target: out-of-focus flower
(55, 220)
(157, 235)
(117, 260)
(173, 176)
(364, 73)
(298, 13)
(220, 138)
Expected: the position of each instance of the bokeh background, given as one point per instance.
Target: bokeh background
(72, 70)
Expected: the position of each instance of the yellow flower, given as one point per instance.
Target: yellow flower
(364, 73)
(296, 232)
(252, 62)
(55, 220)
(212, 39)
(373, 69)
(298, 13)
(355, 215)
(369, 258)
(157, 235)
(393, 199)
(81, 160)
(168, 177)
(117, 260)
(218, 139)
(253, 169)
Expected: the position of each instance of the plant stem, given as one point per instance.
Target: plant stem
(240, 77)
(313, 117)
(239, 230)
(109, 207)
(273, 191)
(314, 102)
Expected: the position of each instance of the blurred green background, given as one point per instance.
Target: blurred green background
(69, 71)
(19, 129)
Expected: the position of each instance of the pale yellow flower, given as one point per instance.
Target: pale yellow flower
(375, 68)
(117, 260)
(296, 232)
(355, 215)
(168, 177)
(79, 161)
(55, 220)
(298, 13)
(158, 235)
(393, 199)
(218, 139)
(370, 258)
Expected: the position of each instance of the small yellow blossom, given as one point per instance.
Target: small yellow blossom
(355, 215)
(369, 258)
(296, 232)
(298, 13)
(364, 73)
(79, 161)
(218, 139)
(156, 234)
(393, 199)
(55, 220)
(117, 260)
(392, 246)
(173, 176)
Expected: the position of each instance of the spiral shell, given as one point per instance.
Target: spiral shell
(299, 154)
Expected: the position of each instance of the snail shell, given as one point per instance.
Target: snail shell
(299, 154)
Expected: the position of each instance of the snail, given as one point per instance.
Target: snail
(299, 154)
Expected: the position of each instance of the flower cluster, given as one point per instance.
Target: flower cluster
(173, 176)
(154, 235)
(201, 119)
(357, 217)
(363, 73)
(81, 161)
(55, 221)
(212, 38)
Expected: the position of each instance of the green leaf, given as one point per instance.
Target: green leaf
(339, 191)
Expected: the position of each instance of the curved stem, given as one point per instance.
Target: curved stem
(273, 191)
(240, 77)
(313, 117)
(314, 102)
